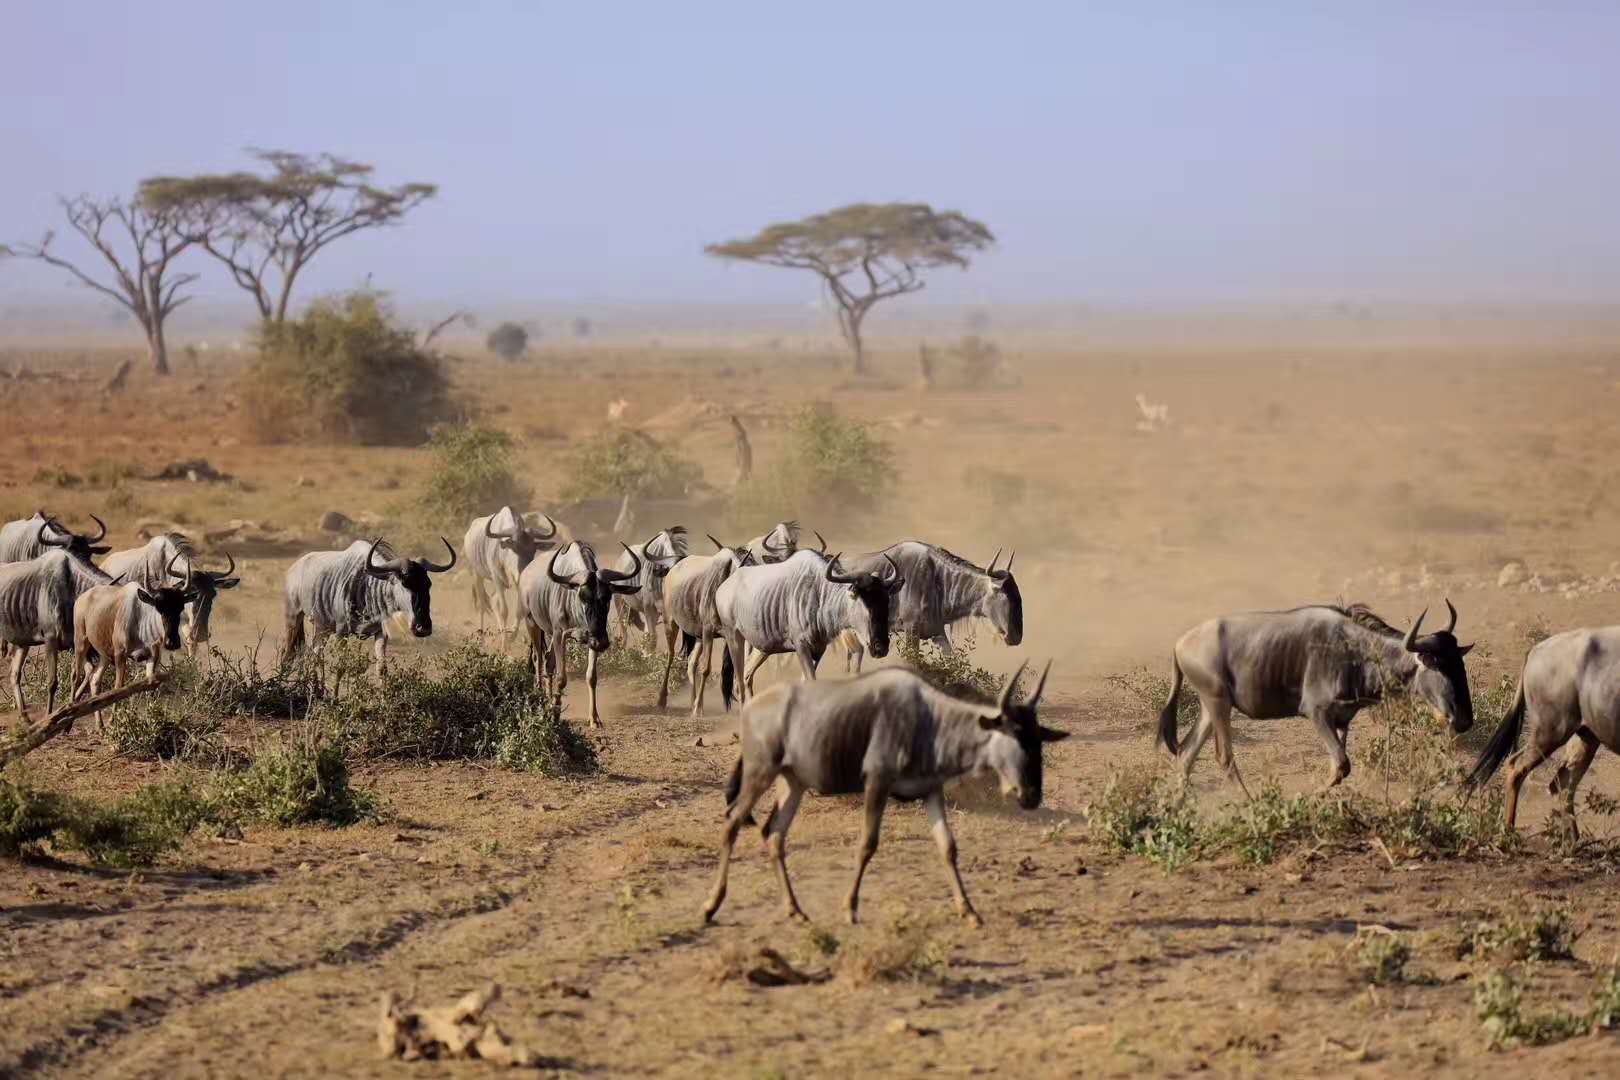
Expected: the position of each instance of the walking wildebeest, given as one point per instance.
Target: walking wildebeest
(350, 594)
(1326, 663)
(498, 549)
(689, 590)
(154, 563)
(36, 608)
(886, 734)
(120, 623)
(941, 589)
(777, 545)
(32, 537)
(1569, 687)
(571, 593)
(799, 606)
(645, 610)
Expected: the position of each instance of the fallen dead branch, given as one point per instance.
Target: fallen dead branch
(26, 738)
(455, 1031)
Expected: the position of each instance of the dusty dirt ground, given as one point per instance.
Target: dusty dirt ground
(1393, 475)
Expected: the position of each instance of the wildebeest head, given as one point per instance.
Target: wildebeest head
(206, 585)
(412, 576)
(1016, 759)
(1003, 604)
(781, 542)
(170, 601)
(663, 549)
(872, 595)
(1440, 677)
(53, 533)
(596, 588)
(523, 540)
(739, 555)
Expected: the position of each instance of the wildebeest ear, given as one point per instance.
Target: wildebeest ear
(146, 597)
(99, 549)
(227, 583)
(1464, 650)
(1051, 734)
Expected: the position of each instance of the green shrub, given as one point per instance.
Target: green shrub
(1262, 829)
(474, 469)
(1152, 690)
(163, 725)
(1549, 934)
(1498, 1000)
(1137, 813)
(621, 462)
(136, 830)
(301, 782)
(830, 468)
(637, 663)
(955, 674)
(508, 341)
(27, 814)
(345, 371)
(1383, 957)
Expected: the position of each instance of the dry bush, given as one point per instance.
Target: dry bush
(474, 468)
(831, 469)
(907, 948)
(621, 462)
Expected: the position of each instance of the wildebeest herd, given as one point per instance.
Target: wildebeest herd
(883, 734)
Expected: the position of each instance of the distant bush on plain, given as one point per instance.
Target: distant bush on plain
(623, 462)
(475, 469)
(831, 468)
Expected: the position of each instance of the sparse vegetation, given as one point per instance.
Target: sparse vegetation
(1152, 689)
(1137, 813)
(296, 782)
(1382, 956)
(1548, 934)
(831, 467)
(1498, 998)
(907, 948)
(475, 468)
(509, 341)
(623, 462)
(955, 674)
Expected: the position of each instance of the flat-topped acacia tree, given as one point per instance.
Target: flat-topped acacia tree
(266, 227)
(864, 253)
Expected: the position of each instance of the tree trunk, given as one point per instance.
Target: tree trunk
(157, 349)
(852, 334)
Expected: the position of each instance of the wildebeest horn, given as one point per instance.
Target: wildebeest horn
(439, 568)
(1008, 568)
(837, 578)
(1035, 698)
(372, 566)
(1452, 625)
(228, 571)
(616, 576)
(102, 525)
(538, 535)
(718, 546)
(43, 540)
(491, 533)
(765, 542)
(1410, 641)
(822, 540)
(991, 569)
(898, 577)
(551, 569)
(1005, 697)
(168, 571)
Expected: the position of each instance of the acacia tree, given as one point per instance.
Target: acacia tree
(140, 244)
(864, 253)
(266, 228)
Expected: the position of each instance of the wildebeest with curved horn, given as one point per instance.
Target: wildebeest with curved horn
(799, 606)
(885, 734)
(776, 545)
(1324, 662)
(1569, 688)
(170, 556)
(32, 537)
(571, 593)
(352, 593)
(36, 608)
(657, 555)
(689, 591)
(134, 621)
(943, 588)
(499, 548)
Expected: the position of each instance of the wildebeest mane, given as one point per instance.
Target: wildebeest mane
(1362, 616)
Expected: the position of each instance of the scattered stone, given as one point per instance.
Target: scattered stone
(901, 1026)
(334, 522)
(698, 741)
(303, 482)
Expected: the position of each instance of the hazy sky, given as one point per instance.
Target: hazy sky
(1121, 152)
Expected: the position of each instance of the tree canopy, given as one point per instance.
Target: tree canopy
(865, 252)
(265, 227)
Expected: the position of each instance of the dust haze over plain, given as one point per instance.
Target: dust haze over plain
(1154, 153)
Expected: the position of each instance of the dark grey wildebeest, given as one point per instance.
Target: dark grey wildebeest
(778, 544)
(644, 610)
(1326, 663)
(352, 593)
(169, 557)
(571, 593)
(36, 609)
(941, 589)
(1569, 688)
(32, 537)
(689, 591)
(887, 734)
(498, 549)
(799, 606)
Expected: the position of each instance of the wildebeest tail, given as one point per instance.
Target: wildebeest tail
(734, 784)
(728, 678)
(1167, 715)
(688, 643)
(1502, 742)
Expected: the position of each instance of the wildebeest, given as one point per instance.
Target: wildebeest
(36, 608)
(170, 556)
(799, 606)
(776, 545)
(351, 593)
(1569, 687)
(32, 537)
(498, 549)
(886, 734)
(1324, 662)
(571, 593)
(134, 621)
(689, 590)
(645, 609)
(941, 589)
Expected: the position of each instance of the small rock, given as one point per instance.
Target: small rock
(303, 481)
(334, 522)
(1512, 574)
(304, 868)
(698, 741)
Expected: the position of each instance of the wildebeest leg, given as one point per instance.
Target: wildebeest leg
(753, 786)
(95, 688)
(808, 662)
(877, 794)
(1547, 734)
(590, 681)
(480, 601)
(379, 651)
(940, 827)
(776, 842)
(19, 653)
(1328, 735)
(1195, 741)
(943, 641)
(755, 661)
(1570, 773)
(854, 651)
(51, 683)
(1221, 728)
(700, 679)
(663, 689)
(537, 652)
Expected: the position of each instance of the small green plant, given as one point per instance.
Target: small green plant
(635, 662)
(621, 462)
(1605, 1012)
(474, 468)
(1498, 1002)
(1138, 814)
(1152, 690)
(136, 830)
(300, 782)
(830, 467)
(28, 815)
(822, 941)
(1261, 829)
(955, 673)
(907, 948)
(1548, 934)
(163, 726)
(1382, 957)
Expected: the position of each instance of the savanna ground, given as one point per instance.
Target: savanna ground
(1392, 474)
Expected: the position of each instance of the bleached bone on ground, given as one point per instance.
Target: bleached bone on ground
(455, 1031)
(1154, 416)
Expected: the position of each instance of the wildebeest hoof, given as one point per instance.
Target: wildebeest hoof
(971, 917)
(795, 915)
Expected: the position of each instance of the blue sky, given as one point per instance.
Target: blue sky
(1139, 152)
